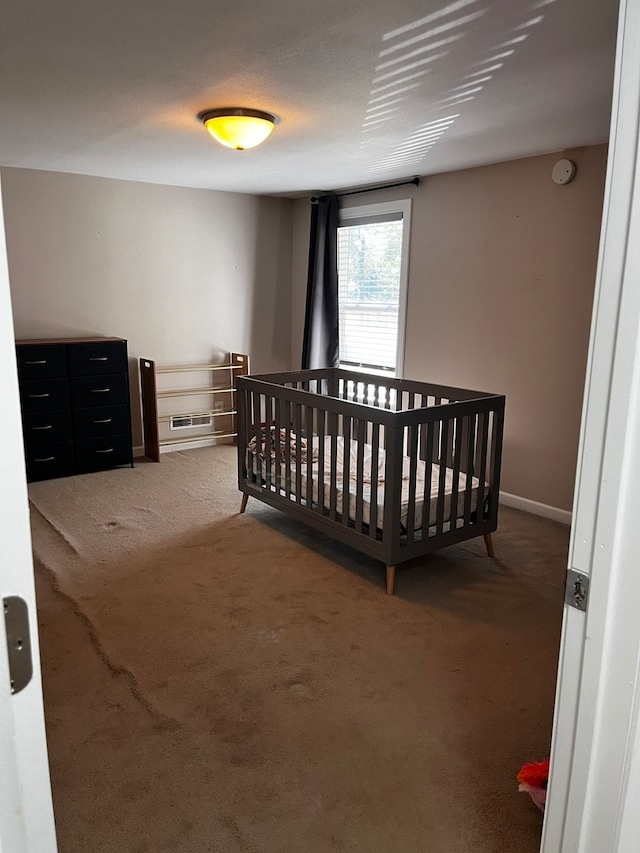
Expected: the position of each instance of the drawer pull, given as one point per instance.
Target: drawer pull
(45, 459)
(103, 421)
(100, 390)
(38, 396)
(48, 426)
(41, 361)
(98, 358)
(108, 450)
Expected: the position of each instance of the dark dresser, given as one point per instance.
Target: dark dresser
(76, 413)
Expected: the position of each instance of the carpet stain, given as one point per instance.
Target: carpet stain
(162, 722)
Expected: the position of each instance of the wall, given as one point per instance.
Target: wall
(185, 275)
(501, 277)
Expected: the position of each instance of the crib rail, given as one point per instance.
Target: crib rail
(393, 467)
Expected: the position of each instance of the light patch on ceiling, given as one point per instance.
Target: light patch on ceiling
(497, 56)
(394, 92)
(405, 56)
(515, 40)
(397, 82)
(388, 104)
(405, 60)
(429, 19)
(472, 83)
(455, 97)
(484, 71)
(402, 69)
(454, 103)
(416, 145)
(436, 31)
(531, 23)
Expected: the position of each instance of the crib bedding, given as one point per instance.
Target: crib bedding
(279, 476)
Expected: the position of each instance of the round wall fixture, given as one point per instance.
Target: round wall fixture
(564, 171)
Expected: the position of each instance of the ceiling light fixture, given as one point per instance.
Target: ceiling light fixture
(237, 127)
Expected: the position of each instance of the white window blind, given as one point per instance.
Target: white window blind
(369, 278)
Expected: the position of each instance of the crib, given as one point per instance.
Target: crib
(392, 467)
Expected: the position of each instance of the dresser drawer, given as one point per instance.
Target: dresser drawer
(96, 454)
(108, 390)
(47, 427)
(44, 395)
(103, 420)
(39, 362)
(49, 460)
(98, 358)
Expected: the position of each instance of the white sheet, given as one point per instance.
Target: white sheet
(277, 479)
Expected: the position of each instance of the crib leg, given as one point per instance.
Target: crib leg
(391, 577)
(243, 505)
(489, 545)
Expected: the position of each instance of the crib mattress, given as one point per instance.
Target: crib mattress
(275, 477)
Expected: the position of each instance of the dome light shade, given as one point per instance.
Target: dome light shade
(237, 127)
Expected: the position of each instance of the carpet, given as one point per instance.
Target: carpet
(225, 682)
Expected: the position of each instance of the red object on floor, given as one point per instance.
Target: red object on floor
(535, 774)
(533, 779)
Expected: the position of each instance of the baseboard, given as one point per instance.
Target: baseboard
(536, 508)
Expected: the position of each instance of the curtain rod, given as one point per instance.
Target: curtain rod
(414, 181)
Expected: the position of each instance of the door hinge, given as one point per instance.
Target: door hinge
(577, 590)
(16, 621)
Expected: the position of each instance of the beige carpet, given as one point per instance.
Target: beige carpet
(217, 682)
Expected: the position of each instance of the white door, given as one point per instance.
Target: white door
(594, 792)
(26, 813)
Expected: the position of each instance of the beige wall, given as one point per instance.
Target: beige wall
(501, 277)
(185, 275)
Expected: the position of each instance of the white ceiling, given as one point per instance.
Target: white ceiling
(362, 87)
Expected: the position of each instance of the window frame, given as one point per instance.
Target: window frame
(402, 206)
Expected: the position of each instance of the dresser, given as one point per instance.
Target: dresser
(76, 412)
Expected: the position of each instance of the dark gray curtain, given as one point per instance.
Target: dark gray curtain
(320, 343)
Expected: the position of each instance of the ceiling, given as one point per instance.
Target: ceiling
(367, 91)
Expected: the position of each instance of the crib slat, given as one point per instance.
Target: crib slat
(256, 419)
(412, 453)
(287, 448)
(278, 444)
(309, 456)
(481, 461)
(470, 438)
(375, 462)
(333, 476)
(297, 432)
(268, 440)
(442, 480)
(243, 437)
(346, 470)
(428, 468)
(455, 478)
(359, 428)
(497, 429)
(321, 414)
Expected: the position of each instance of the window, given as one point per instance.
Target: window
(373, 248)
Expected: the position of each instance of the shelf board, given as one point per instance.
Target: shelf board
(184, 439)
(189, 368)
(190, 392)
(165, 419)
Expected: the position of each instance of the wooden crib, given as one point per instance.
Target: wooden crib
(392, 467)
